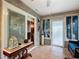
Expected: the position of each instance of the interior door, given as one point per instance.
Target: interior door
(57, 33)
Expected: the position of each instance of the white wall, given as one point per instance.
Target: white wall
(4, 29)
(37, 37)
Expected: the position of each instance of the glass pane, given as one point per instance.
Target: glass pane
(46, 27)
(68, 27)
(57, 33)
(75, 27)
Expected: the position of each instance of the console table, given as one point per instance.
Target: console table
(19, 53)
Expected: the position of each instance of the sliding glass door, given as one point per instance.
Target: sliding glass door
(57, 33)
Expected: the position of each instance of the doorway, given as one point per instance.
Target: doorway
(30, 30)
(57, 33)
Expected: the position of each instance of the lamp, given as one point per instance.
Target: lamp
(48, 3)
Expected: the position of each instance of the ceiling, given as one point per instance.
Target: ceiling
(42, 7)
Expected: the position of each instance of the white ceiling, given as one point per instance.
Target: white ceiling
(55, 6)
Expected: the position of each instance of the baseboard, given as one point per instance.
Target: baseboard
(32, 49)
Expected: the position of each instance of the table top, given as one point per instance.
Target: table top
(9, 51)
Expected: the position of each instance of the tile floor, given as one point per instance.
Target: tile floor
(47, 52)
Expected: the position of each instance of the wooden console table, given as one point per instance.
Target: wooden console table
(20, 52)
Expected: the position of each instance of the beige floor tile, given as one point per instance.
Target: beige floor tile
(47, 52)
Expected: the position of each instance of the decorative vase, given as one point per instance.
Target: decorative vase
(25, 41)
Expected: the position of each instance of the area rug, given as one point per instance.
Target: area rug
(67, 54)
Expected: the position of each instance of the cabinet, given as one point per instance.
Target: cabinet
(72, 27)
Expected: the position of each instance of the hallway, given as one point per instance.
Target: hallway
(47, 52)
